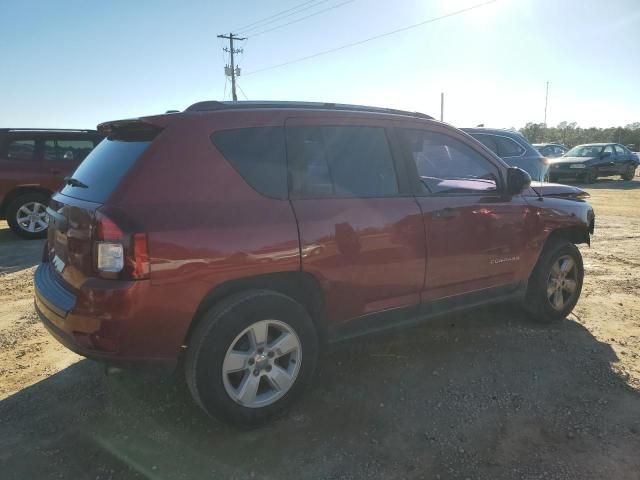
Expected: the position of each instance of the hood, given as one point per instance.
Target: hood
(572, 159)
(558, 190)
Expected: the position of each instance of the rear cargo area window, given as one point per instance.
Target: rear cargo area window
(103, 169)
(258, 155)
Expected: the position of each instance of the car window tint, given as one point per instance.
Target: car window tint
(49, 150)
(258, 155)
(104, 168)
(607, 149)
(21, 149)
(489, 142)
(619, 150)
(73, 149)
(508, 147)
(446, 165)
(341, 162)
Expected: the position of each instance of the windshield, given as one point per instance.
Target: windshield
(585, 151)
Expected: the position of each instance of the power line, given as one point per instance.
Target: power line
(244, 27)
(245, 31)
(386, 34)
(242, 91)
(300, 19)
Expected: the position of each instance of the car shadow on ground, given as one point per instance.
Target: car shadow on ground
(481, 395)
(17, 253)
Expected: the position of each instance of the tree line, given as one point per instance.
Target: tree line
(570, 134)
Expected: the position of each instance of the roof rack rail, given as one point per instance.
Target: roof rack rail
(46, 130)
(213, 105)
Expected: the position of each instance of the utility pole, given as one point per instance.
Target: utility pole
(546, 100)
(442, 106)
(233, 71)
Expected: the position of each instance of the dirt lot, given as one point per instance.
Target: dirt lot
(483, 395)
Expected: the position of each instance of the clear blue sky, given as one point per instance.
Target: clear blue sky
(72, 63)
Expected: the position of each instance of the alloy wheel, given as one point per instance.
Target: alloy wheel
(32, 217)
(262, 363)
(562, 283)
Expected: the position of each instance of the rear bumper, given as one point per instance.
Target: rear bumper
(107, 320)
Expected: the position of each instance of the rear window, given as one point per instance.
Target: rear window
(508, 147)
(258, 155)
(103, 169)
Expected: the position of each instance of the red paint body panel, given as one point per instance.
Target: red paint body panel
(370, 253)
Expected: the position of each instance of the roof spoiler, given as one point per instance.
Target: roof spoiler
(133, 130)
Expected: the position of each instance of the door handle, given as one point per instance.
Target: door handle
(446, 213)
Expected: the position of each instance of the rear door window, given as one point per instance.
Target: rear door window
(488, 141)
(103, 169)
(73, 149)
(258, 155)
(67, 149)
(508, 147)
(620, 151)
(341, 161)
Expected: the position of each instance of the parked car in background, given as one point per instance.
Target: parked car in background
(551, 150)
(513, 148)
(236, 238)
(592, 160)
(33, 164)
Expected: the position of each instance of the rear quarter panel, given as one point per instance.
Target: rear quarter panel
(205, 224)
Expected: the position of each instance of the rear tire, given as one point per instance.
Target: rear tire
(629, 173)
(26, 215)
(237, 366)
(556, 282)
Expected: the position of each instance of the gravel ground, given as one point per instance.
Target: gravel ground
(481, 395)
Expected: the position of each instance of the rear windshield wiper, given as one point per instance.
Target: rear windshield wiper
(74, 182)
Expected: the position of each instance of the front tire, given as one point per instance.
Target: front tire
(251, 356)
(556, 282)
(26, 215)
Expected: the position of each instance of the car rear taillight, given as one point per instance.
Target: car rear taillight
(119, 255)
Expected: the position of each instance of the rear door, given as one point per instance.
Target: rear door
(608, 165)
(475, 235)
(361, 231)
(621, 158)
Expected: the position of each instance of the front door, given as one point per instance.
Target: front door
(361, 231)
(475, 235)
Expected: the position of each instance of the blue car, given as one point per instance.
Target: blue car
(514, 149)
(592, 160)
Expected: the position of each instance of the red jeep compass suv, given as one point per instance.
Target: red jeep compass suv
(238, 238)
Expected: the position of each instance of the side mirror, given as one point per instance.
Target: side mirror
(517, 180)
(605, 155)
(68, 155)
